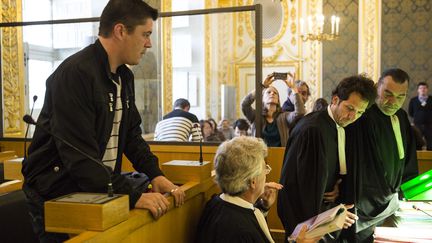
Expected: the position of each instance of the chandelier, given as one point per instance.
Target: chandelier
(313, 28)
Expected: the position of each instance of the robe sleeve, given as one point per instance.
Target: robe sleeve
(304, 176)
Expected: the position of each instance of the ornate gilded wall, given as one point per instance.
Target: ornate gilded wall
(12, 62)
(340, 57)
(407, 39)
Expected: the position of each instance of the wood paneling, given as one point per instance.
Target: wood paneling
(178, 225)
(424, 159)
(167, 153)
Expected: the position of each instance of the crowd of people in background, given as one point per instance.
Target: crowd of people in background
(277, 120)
(181, 125)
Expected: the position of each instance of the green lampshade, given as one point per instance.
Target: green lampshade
(419, 188)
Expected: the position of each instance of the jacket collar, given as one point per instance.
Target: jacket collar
(103, 57)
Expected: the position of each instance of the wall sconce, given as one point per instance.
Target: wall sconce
(313, 28)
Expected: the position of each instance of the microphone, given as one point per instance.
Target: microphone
(419, 209)
(200, 144)
(28, 126)
(29, 120)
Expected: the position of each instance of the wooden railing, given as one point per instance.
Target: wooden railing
(167, 153)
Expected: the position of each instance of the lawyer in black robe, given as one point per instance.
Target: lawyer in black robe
(222, 221)
(310, 168)
(236, 215)
(380, 166)
(311, 163)
(381, 172)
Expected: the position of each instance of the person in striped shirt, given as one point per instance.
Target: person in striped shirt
(179, 125)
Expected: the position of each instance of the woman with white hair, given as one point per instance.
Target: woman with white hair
(233, 216)
(276, 123)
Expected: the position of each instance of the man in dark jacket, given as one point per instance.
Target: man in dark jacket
(420, 109)
(90, 103)
(303, 90)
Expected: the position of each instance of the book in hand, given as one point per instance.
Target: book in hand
(323, 223)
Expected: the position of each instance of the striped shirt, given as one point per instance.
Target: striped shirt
(110, 155)
(178, 126)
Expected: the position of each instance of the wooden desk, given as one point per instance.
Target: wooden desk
(411, 225)
(191, 152)
(12, 169)
(10, 186)
(5, 155)
(167, 153)
(177, 225)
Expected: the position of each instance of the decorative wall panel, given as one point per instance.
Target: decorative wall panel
(370, 38)
(340, 57)
(407, 39)
(12, 71)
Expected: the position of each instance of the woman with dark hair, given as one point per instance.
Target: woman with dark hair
(208, 134)
(276, 123)
(220, 136)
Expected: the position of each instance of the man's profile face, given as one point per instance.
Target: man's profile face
(137, 42)
(391, 95)
(304, 92)
(422, 90)
(348, 111)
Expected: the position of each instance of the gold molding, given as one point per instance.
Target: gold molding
(208, 58)
(275, 55)
(293, 15)
(12, 70)
(251, 51)
(278, 36)
(370, 38)
(167, 74)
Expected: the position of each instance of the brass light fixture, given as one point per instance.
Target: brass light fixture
(312, 28)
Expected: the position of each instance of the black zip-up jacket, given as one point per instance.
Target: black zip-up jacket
(77, 108)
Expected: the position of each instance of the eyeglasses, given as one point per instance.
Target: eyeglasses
(267, 169)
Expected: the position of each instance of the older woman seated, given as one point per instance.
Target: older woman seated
(233, 216)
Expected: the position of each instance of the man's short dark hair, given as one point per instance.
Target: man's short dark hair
(422, 84)
(397, 74)
(128, 12)
(181, 103)
(360, 84)
(242, 124)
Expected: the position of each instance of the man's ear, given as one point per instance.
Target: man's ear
(253, 183)
(335, 100)
(119, 30)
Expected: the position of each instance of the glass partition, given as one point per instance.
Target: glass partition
(191, 57)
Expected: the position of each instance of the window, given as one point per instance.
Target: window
(46, 46)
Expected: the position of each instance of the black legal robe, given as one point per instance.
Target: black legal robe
(222, 222)
(379, 171)
(310, 168)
